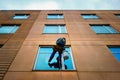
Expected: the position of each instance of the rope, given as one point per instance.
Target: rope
(60, 69)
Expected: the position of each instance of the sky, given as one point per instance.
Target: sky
(60, 5)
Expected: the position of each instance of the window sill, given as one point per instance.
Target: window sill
(20, 19)
(6, 33)
(54, 70)
(54, 18)
(54, 33)
(108, 33)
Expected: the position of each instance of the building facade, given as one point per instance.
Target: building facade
(92, 40)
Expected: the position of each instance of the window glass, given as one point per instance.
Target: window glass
(21, 16)
(51, 29)
(110, 29)
(43, 57)
(117, 56)
(45, 50)
(55, 16)
(6, 29)
(116, 52)
(99, 29)
(103, 29)
(63, 29)
(89, 16)
(55, 29)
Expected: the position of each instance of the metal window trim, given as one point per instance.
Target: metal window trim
(59, 29)
(65, 29)
(73, 64)
(36, 58)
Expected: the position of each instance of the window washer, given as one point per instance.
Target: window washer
(59, 47)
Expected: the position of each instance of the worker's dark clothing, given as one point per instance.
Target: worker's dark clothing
(55, 49)
(59, 47)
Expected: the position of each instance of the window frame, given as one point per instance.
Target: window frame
(59, 28)
(82, 15)
(22, 15)
(104, 26)
(71, 55)
(10, 25)
(114, 46)
(56, 15)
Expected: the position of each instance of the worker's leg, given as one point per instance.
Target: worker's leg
(52, 55)
(59, 60)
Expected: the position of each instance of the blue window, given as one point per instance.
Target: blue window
(118, 15)
(115, 51)
(89, 16)
(55, 16)
(103, 29)
(55, 29)
(8, 29)
(43, 55)
(21, 16)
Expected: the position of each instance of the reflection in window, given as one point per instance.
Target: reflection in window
(103, 29)
(115, 51)
(55, 16)
(89, 16)
(9, 28)
(55, 29)
(21, 16)
(42, 58)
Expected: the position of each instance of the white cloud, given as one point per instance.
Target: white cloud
(59, 4)
(49, 5)
(106, 4)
